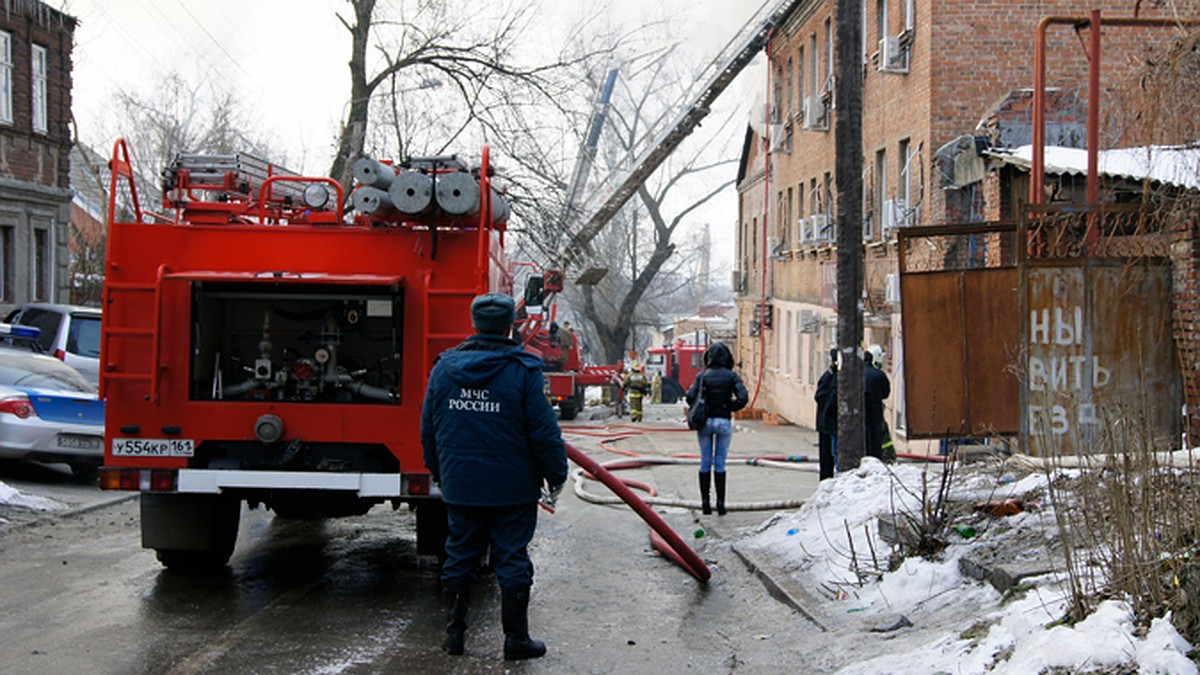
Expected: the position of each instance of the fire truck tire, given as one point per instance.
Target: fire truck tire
(432, 529)
(568, 409)
(190, 533)
(85, 473)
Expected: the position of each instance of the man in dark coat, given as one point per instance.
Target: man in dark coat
(826, 398)
(876, 388)
(491, 440)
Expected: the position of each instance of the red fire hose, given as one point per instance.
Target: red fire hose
(663, 538)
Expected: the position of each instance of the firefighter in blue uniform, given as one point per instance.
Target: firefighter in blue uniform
(491, 440)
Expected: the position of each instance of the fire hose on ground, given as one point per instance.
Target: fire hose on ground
(668, 541)
(662, 538)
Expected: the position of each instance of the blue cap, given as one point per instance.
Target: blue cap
(493, 313)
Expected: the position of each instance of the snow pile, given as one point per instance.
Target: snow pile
(12, 497)
(832, 548)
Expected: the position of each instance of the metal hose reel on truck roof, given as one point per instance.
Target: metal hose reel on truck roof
(420, 185)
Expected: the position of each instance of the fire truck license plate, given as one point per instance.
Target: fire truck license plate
(152, 447)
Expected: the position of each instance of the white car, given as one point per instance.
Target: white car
(70, 333)
(49, 412)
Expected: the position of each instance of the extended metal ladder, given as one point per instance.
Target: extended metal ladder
(622, 185)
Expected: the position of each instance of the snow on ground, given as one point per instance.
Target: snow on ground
(960, 625)
(10, 496)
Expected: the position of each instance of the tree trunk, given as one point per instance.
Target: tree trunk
(849, 163)
(352, 138)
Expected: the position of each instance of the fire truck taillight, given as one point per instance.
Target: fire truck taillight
(418, 483)
(143, 480)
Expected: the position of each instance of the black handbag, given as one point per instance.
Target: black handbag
(697, 415)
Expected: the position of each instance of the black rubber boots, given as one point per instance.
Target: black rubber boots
(457, 601)
(514, 614)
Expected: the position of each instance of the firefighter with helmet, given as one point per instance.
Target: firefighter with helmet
(636, 386)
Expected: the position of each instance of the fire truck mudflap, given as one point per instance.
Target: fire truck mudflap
(260, 347)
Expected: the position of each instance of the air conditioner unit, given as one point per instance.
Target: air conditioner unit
(775, 246)
(893, 56)
(738, 281)
(810, 323)
(893, 289)
(803, 231)
(816, 115)
(780, 138)
(895, 214)
(822, 227)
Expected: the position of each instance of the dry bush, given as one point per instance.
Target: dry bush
(1129, 523)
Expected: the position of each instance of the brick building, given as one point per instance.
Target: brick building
(35, 140)
(943, 80)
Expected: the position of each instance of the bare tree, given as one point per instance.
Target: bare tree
(643, 242)
(475, 54)
(177, 114)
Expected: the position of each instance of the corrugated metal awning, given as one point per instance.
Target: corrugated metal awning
(1170, 165)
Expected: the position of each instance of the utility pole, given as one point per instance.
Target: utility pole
(848, 147)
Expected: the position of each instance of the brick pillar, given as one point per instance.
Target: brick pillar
(1185, 263)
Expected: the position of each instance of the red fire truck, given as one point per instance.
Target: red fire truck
(264, 344)
(567, 378)
(677, 364)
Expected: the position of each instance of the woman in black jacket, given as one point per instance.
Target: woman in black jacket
(723, 393)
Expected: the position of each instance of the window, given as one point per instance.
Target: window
(863, 28)
(6, 264)
(905, 177)
(785, 336)
(800, 79)
(787, 221)
(816, 76)
(39, 89)
(800, 212)
(881, 16)
(789, 87)
(6, 68)
(41, 265)
(880, 195)
(829, 55)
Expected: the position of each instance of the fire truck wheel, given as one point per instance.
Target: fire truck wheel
(190, 533)
(568, 409)
(432, 529)
(85, 473)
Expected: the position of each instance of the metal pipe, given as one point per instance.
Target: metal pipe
(1037, 165)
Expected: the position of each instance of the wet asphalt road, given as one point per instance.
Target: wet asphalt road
(78, 594)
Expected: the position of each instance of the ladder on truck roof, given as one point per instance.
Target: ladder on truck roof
(620, 186)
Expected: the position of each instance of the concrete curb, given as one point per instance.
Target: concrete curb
(783, 588)
(104, 502)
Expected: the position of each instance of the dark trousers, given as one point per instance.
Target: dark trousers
(507, 529)
(827, 455)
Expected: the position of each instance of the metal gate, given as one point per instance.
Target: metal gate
(960, 314)
(1064, 341)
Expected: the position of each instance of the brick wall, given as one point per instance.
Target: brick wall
(25, 155)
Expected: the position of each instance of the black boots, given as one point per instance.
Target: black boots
(457, 600)
(514, 614)
(705, 505)
(720, 492)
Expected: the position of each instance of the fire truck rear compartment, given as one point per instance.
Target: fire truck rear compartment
(296, 342)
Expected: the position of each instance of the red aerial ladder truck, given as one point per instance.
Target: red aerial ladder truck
(567, 378)
(263, 343)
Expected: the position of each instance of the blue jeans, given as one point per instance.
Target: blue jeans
(713, 454)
